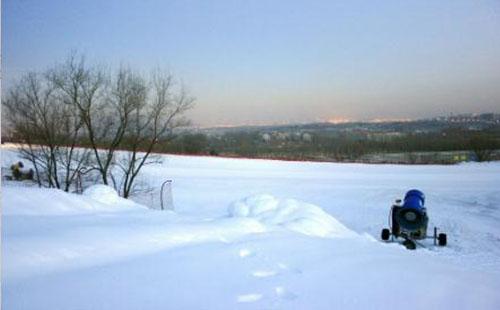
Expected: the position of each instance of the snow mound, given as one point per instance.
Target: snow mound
(291, 214)
(102, 193)
(55, 202)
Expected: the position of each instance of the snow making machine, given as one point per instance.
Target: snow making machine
(408, 220)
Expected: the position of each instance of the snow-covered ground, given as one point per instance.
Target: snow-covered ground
(254, 234)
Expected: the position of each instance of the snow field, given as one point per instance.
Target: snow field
(254, 234)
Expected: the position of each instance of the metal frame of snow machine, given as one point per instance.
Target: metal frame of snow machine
(409, 221)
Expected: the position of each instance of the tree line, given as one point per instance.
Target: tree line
(74, 118)
(335, 147)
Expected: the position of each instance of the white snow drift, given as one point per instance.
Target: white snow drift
(102, 193)
(294, 215)
(43, 202)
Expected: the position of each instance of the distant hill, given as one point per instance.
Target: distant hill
(465, 121)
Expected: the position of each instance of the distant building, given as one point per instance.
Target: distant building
(266, 137)
(282, 136)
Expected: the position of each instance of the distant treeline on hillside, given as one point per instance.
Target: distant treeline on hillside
(383, 143)
(351, 146)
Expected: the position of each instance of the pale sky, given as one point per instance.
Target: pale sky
(269, 62)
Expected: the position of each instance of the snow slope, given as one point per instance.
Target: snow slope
(254, 234)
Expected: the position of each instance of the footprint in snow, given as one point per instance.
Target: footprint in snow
(249, 297)
(283, 293)
(264, 273)
(283, 266)
(245, 253)
(280, 292)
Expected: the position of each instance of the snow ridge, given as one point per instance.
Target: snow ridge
(291, 214)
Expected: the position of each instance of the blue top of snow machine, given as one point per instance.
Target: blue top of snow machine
(414, 199)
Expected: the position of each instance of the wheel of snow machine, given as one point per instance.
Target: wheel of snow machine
(442, 239)
(385, 234)
(410, 244)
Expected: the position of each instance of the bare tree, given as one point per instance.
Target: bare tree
(86, 89)
(74, 106)
(157, 109)
(75, 161)
(48, 130)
